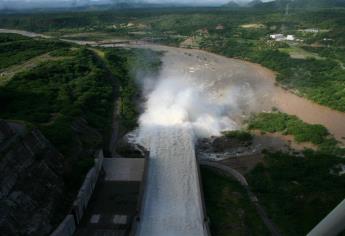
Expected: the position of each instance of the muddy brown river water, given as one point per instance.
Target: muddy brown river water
(253, 82)
(254, 85)
(199, 94)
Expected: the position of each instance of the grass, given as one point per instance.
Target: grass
(299, 53)
(239, 135)
(229, 207)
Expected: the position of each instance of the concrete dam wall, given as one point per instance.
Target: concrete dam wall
(172, 203)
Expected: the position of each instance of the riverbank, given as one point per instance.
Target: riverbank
(282, 99)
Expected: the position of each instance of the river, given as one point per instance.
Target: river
(257, 83)
(257, 77)
(199, 94)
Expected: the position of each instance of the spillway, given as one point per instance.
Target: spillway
(195, 95)
(172, 203)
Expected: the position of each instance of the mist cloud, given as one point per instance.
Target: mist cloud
(178, 101)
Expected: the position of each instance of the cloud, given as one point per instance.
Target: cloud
(67, 3)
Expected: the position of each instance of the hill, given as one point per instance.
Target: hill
(294, 4)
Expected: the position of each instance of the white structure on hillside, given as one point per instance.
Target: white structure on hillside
(277, 37)
(281, 37)
(290, 37)
(311, 30)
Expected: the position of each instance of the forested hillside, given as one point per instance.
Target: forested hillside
(312, 65)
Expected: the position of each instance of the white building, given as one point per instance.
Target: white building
(277, 36)
(281, 37)
(290, 37)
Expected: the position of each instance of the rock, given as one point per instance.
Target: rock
(5, 131)
(125, 148)
(222, 144)
(31, 183)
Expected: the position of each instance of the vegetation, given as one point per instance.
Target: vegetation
(291, 125)
(126, 66)
(321, 79)
(15, 49)
(229, 207)
(6, 38)
(71, 100)
(55, 94)
(298, 192)
(239, 135)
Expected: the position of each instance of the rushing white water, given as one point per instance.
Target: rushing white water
(172, 204)
(175, 113)
(194, 96)
(181, 106)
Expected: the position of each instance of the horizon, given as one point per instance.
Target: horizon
(46, 4)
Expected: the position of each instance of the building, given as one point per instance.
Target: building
(290, 37)
(281, 37)
(220, 27)
(277, 37)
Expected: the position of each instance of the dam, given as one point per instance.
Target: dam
(188, 100)
(172, 203)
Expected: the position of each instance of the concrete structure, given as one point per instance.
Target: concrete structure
(332, 224)
(108, 200)
(172, 203)
(116, 200)
(69, 224)
(124, 169)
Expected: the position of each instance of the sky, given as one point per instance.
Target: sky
(86, 2)
(68, 3)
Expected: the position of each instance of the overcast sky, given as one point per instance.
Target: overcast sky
(66, 3)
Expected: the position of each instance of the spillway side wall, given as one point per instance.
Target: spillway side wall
(202, 197)
(140, 205)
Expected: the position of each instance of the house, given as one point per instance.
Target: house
(281, 37)
(220, 27)
(290, 37)
(277, 37)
